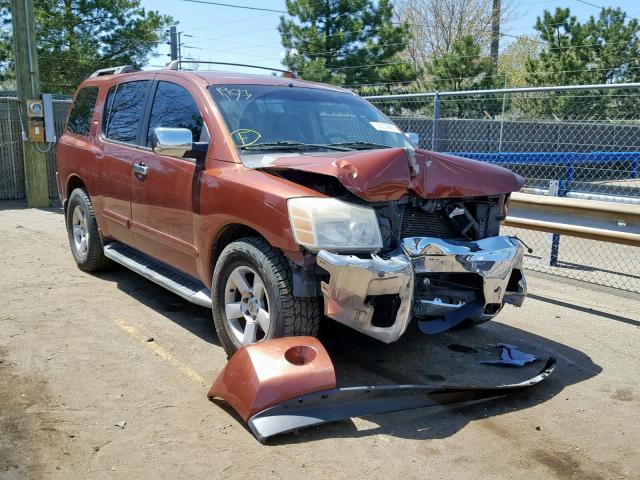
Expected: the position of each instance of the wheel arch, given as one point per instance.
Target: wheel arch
(228, 234)
(73, 182)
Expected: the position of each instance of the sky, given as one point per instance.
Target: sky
(224, 34)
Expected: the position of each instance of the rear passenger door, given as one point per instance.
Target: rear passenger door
(165, 197)
(121, 128)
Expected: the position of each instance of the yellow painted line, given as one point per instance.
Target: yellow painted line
(158, 350)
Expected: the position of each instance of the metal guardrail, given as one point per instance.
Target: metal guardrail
(578, 141)
(590, 219)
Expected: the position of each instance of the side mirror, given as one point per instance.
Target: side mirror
(172, 142)
(413, 138)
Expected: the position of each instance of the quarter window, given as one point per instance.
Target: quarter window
(174, 107)
(82, 111)
(125, 108)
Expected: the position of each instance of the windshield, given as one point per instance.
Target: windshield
(268, 117)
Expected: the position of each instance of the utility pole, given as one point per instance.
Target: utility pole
(173, 42)
(495, 32)
(28, 84)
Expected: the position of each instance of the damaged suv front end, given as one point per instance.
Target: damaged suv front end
(426, 277)
(441, 260)
(419, 247)
(394, 232)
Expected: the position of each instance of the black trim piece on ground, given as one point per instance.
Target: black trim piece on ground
(342, 403)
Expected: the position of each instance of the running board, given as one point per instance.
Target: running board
(182, 285)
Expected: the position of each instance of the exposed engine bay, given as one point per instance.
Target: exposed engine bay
(461, 222)
(440, 258)
(462, 219)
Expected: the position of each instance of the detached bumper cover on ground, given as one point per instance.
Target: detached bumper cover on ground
(285, 384)
(355, 281)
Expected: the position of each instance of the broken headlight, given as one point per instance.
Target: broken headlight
(329, 224)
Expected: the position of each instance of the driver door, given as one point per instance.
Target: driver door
(165, 190)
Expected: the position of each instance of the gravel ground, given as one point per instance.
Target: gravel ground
(74, 362)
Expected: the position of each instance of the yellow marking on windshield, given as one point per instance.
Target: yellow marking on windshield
(245, 136)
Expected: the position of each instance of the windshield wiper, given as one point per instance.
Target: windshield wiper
(359, 145)
(293, 145)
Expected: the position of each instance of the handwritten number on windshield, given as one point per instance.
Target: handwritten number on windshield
(234, 94)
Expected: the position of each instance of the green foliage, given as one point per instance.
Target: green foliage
(77, 37)
(603, 50)
(513, 60)
(345, 42)
(464, 68)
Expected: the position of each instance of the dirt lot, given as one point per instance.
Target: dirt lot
(74, 362)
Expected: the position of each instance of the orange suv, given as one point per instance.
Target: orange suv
(274, 200)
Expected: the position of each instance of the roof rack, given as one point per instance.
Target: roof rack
(176, 65)
(112, 71)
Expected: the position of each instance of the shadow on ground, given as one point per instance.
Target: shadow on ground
(449, 358)
(191, 317)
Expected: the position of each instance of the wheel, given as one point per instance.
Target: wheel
(84, 238)
(253, 297)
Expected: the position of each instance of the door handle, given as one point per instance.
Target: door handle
(140, 168)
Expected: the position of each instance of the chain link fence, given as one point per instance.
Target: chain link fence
(11, 166)
(581, 142)
(11, 161)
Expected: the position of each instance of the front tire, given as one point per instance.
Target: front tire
(82, 230)
(253, 297)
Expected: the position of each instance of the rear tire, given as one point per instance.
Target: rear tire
(253, 297)
(82, 230)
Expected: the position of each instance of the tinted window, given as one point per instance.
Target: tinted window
(257, 114)
(82, 111)
(174, 107)
(125, 107)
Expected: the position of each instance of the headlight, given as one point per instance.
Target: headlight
(329, 224)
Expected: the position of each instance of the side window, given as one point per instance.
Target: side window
(82, 111)
(174, 107)
(125, 108)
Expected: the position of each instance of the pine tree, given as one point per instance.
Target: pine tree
(604, 49)
(77, 37)
(464, 68)
(347, 42)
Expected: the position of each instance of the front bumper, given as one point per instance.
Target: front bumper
(355, 282)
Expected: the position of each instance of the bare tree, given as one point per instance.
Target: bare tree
(436, 24)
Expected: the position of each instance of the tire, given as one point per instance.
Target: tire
(244, 260)
(82, 230)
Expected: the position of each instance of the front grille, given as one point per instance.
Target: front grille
(418, 223)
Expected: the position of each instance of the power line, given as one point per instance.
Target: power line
(334, 52)
(217, 25)
(502, 75)
(590, 4)
(230, 5)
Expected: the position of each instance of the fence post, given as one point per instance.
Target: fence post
(504, 104)
(436, 122)
(557, 188)
(28, 86)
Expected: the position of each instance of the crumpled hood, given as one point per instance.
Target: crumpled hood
(391, 173)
